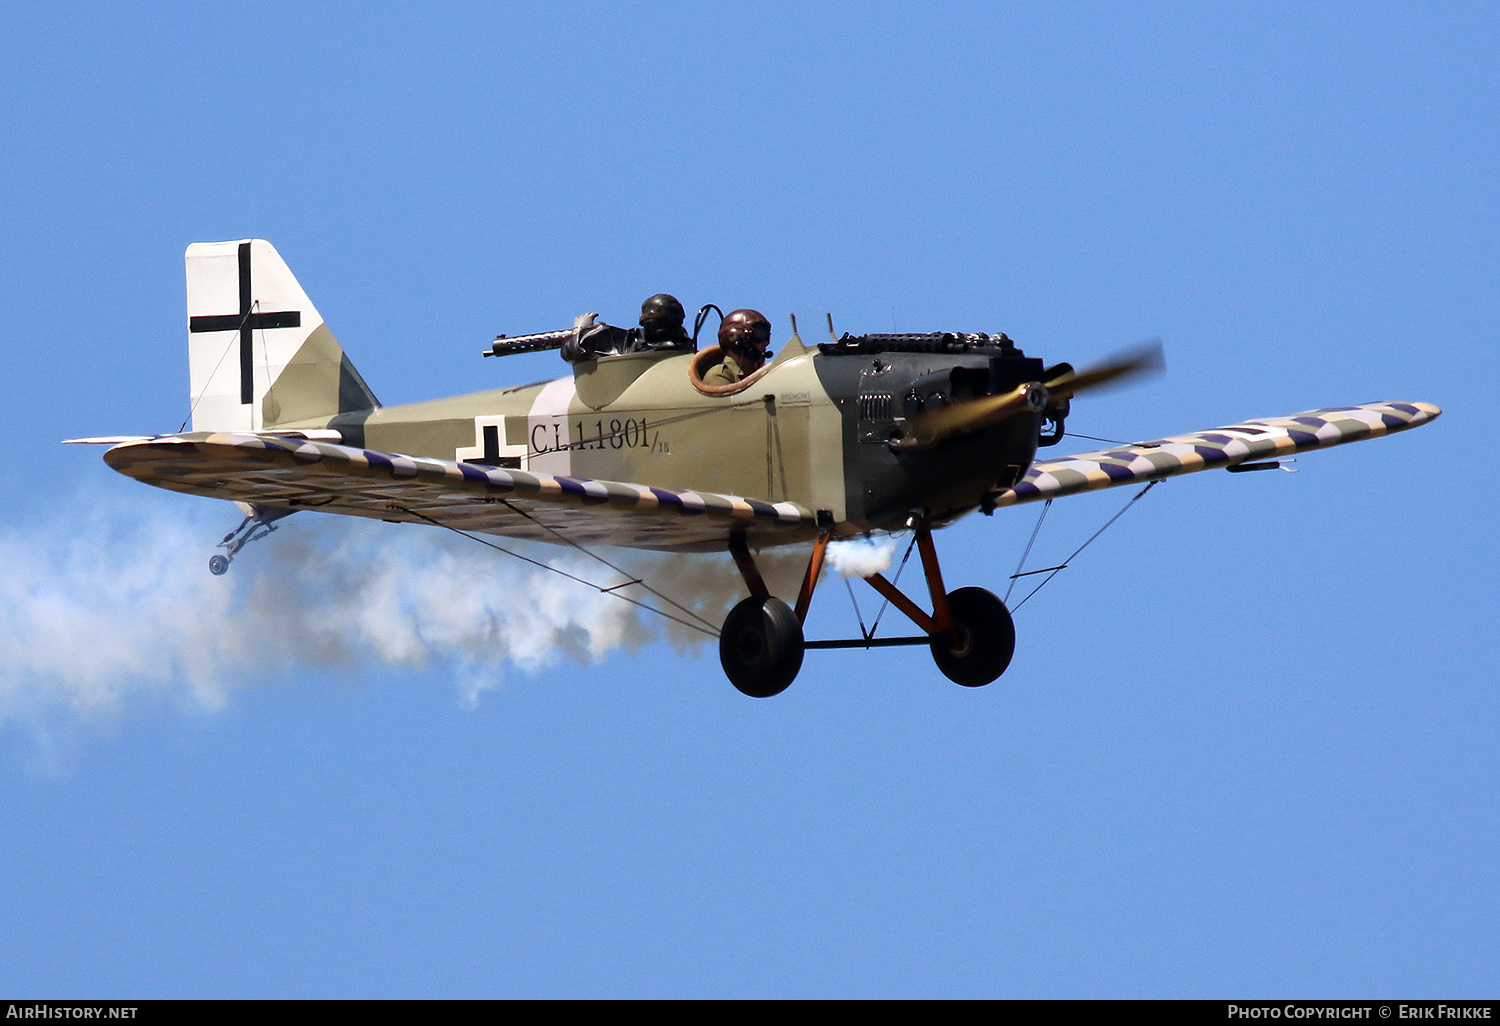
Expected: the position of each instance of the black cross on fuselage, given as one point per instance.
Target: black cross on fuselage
(246, 322)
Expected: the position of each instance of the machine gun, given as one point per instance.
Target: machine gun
(509, 345)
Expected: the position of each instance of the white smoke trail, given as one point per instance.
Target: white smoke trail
(861, 557)
(107, 608)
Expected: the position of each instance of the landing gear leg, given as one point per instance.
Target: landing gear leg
(972, 634)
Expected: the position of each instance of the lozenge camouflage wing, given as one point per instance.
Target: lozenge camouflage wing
(294, 473)
(1247, 442)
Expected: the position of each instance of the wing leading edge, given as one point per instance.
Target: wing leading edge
(298, 474)
(1246, 442)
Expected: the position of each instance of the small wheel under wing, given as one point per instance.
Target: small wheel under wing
(218, 565)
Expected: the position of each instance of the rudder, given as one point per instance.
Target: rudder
(259, 354)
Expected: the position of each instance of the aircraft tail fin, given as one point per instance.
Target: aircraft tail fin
(259, 353)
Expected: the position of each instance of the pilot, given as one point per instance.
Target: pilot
(661, 325)
(660, 328)
(744, 336)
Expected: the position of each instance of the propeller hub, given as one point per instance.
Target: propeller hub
(1037, 397)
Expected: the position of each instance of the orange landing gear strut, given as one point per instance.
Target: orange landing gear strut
(761, 645)
(941, 619)
(969, 631)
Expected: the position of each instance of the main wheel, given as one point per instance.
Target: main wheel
(218, 565)
(983, 639)
(761, 646)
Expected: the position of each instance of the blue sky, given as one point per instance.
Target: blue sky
(1246, 746)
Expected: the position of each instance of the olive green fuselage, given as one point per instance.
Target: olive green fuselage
(814, 429)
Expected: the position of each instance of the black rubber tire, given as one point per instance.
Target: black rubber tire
(218, 565)
(761, 646)
(983, 639)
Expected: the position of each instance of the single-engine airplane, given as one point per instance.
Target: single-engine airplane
(649, 449)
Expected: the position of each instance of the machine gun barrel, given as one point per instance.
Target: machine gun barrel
(509, 345)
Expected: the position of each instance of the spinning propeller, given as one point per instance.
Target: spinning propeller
(932, 426)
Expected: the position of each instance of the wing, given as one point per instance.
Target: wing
(1247, 442)
(299, 474)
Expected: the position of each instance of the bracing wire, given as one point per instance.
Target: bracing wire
(857, 614)
(193, 406)
(1059, 569)
(612, 592)
(265, 358)
(595, 556)
(1021, 565)
(896, 580)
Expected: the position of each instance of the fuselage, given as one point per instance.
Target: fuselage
(815, 429)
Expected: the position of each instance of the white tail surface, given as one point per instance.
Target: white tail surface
(259, 353)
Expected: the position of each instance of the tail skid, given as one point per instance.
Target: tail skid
(259, 522)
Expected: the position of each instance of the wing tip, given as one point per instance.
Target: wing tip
(110, 440)
(1414, 412)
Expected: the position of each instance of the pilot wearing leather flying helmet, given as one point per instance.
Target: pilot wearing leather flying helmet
(745, 337)
(661, 325)
(660, 328)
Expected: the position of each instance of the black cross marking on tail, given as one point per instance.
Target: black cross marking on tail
(246, 322)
